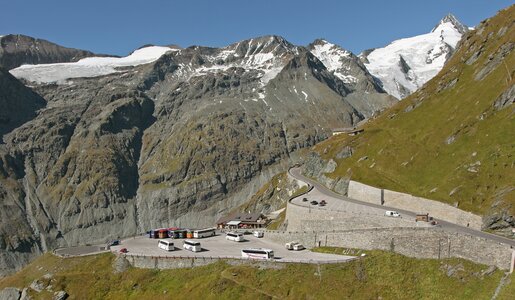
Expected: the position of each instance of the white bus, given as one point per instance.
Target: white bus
(202, 233)
(234, 236)
(166, 245)
(257, 253)
(192, 246)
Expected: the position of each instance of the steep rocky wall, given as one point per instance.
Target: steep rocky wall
(151, 216)
(408, 202)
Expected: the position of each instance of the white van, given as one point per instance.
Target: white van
(234, 236)
(293, 246)
(258, 234)
(392, 213)
(193, 246)
(166, 245)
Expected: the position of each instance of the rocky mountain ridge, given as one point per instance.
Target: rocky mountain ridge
(18, 49)
(179, 140)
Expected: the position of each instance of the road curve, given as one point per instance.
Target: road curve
(296, 173)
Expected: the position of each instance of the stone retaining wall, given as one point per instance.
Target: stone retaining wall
(170, 262)
(412, 242)
(438, 210)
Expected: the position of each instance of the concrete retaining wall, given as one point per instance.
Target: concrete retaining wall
(398, 200)
(412, 242)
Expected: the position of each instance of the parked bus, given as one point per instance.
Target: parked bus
(234, 236)
(202, 233)
(166, 245)
(192, 246)
(257, 253)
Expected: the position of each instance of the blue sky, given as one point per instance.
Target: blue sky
(118, 27)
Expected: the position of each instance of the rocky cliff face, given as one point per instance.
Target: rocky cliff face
(18, 49)
(19, 104)
(179, 141)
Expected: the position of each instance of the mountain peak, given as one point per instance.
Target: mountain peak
(450, 18)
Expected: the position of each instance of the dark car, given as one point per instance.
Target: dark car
(114, 243)
(123, 250)
(314, 202)
(323, 202)
(304, 199)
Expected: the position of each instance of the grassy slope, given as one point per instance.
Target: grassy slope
(407, 151)
(380, 274)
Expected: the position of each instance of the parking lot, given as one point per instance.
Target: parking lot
(335, 204)
(218, 246)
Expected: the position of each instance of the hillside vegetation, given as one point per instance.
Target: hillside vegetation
(378, 275)
(453, 140)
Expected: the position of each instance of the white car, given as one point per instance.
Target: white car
(296, 246)
(392, 213)
(258, 234)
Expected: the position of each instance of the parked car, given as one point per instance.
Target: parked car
(298, 247)
(290, 245)
(295, 246)
(114, 243)
(124, 250)
(323, 202)
(314, 202)
(392, 213)
(258, 234)
(304, 199)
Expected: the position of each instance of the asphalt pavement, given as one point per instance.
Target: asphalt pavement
(219, 247)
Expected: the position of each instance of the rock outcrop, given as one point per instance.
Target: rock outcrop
(18, 49)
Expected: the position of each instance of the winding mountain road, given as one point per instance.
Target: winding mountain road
(319, 189)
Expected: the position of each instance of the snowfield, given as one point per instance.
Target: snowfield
(424, 57)
(87, 67)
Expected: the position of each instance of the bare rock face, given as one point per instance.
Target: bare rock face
(10, 294)
(179, 141)
(120, 264)
(18, 103)
(18, 49)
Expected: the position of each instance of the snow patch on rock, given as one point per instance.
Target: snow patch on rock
(87, 67)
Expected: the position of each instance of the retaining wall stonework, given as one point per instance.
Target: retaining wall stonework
(170, 262)
(412, 242)
(398, 200)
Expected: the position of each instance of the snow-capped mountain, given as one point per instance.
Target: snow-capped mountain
(406, 64)
(262, 58)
